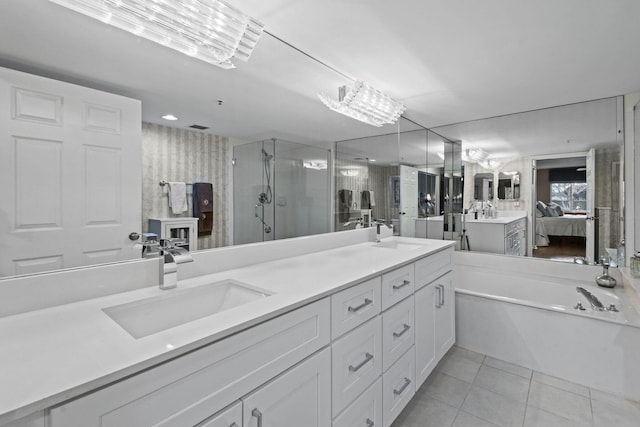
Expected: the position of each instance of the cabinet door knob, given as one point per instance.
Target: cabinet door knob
(369, 422)
(258, 416)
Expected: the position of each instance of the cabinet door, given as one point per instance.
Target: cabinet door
(230, 417)
(301, 396)
(425, 333)
(444, 314)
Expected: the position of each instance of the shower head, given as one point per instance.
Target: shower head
(266, 155)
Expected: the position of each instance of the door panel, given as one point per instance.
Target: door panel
(70, 163)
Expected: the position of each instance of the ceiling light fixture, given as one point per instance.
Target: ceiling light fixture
(365, 103)
(209, 30)
(170, 117)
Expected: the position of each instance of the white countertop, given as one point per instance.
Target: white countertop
(54, 354)
(501, 219)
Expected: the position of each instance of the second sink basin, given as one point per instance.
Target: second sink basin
(394, 244)
(176, 307)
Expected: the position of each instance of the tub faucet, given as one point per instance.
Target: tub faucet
(172, 255)
(593, 300)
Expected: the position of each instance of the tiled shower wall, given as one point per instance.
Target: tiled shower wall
(173, 154)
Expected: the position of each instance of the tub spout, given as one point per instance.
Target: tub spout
(593, 300)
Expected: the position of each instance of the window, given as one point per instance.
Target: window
(572, 196)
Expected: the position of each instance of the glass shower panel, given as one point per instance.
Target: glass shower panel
(281, 190)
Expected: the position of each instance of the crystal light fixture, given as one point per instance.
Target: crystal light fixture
(209, 30)
(365, 103)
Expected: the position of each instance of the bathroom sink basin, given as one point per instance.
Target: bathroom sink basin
(176, 307)
(394, 244)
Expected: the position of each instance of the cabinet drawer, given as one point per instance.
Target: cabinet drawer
(356, 363)
(354, 306)
(366, 411)
(230, 417)
(430, 268)
(398, 387)
(189, 389)
(397, 331)
(397, 285)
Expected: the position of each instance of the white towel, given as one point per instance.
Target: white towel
(178, 197)
(372, 200)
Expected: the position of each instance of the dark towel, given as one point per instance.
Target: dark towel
(344, 204)
(203, 207)
(365, 200)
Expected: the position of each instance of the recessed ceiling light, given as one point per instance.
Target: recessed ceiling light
(169, 117)
(372, 160)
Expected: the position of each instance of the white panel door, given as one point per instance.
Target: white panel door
(424, 334)
(591, 206)
(445, 314)
(300, 397)
(70, 174)
(408, 200)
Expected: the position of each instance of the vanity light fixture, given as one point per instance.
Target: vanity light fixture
(210, 30)
(170, 117)
(315, 164)
(365, 103)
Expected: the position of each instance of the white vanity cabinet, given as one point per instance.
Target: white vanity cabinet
(354, 358)
(499, 236)
(444, 314)
(301, 396)
(230, 417)
(434, 312)
(189, 389)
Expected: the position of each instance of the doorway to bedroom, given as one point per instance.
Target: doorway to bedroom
(563, 212)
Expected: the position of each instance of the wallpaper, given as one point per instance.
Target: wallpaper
(173, 154)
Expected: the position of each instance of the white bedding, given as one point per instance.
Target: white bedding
(566, 225)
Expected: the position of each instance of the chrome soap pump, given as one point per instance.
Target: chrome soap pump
(605, 280)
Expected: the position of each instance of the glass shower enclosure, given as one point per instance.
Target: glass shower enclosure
(280, 190)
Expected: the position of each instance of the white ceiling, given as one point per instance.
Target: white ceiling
(448, 61)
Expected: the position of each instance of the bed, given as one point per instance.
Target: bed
(574, 225)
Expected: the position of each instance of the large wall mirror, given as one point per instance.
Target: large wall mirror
(268, 131)
(560, 169)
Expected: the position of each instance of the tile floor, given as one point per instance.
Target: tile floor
(469, 389)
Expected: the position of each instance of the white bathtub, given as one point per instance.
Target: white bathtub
(522, 311)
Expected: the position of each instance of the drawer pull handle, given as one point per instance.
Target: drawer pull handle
(402, 285)
(397, 392)
(234, 424)
(368, 357)
(441, 295)
(402, 332)
(366, 302)
(438, 297)
(369, 422)
(258, 415)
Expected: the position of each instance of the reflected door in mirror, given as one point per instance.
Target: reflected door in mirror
(70, 172)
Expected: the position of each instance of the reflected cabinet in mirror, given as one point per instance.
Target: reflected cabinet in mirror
(509, 185)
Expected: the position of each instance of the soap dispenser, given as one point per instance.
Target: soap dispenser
(605, 280)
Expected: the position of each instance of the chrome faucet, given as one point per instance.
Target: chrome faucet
(378, 223)
(593, 300)
(172, 255)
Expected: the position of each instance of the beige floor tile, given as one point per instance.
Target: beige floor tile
(560, 402)
(459, 367)
(447, 389)
(503, 383)
(467, 354)
(561, 384)
(621, 413)
(467, 420)
(426, 412)
(538, 418)
(508, 367)
(493, 407)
